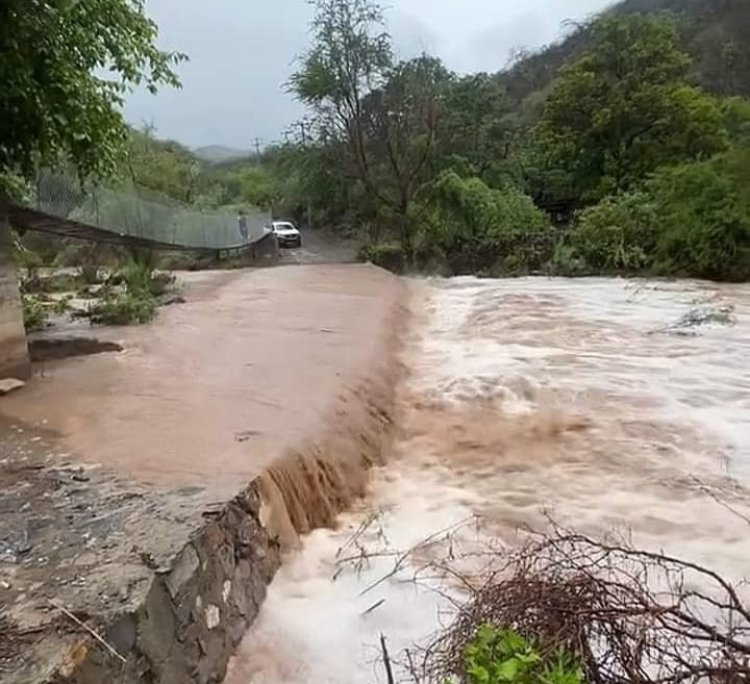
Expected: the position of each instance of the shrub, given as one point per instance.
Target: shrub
(137, 304)
(136, 276)
(140, 276)
(704, 218)
(502, 656)
(35, 313)
(387, 255)
(619, 233)
(566, 261)
(38, 308)
(123, 308)
(485, 230)
(690, 220)
(598, 611)
(90, 274)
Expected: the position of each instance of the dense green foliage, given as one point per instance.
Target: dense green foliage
(502, 656)
(623, 148)
(692, 219)
(478, 229)
(123, 308)
(625, 108)
(619, 233)
(135, 299)
(442, 171)
(35, 313)
(163, 166)
(65, 69)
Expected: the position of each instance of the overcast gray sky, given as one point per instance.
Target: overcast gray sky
(242, 51)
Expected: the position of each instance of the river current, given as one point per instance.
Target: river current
(599, 404)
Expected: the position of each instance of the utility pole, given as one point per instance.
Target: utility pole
(303, 126)
(257, 141)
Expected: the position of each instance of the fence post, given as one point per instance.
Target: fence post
(14, 353)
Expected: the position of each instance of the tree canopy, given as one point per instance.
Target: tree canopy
(625, 159)
(66, 66)
(377, 114)
(625, 108)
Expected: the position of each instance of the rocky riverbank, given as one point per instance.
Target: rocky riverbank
(147, 493)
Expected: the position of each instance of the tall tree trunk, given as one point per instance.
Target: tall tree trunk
(406, 234)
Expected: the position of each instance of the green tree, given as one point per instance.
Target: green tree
(350, 55)
(736, 113)
(704, 217)
(309, 176)
(400, 123)
(625, 108)
(65, 69)
(482, 229)
(164, 166)
(377, 116)
(691, 219)
(476, 127)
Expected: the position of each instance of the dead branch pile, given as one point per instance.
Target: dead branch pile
(630, 616)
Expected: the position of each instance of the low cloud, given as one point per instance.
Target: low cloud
(242, 53)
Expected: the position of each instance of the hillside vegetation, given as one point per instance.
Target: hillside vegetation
(713, 32)
(582, 157)
(440, 171)
(621, 148)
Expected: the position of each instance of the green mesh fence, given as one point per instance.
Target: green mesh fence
(141, 213)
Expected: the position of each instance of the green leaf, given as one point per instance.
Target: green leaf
(509, 669)
(54, 108)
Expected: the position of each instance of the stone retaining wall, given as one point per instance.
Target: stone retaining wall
(196, 614)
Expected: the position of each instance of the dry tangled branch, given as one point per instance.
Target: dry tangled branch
(630, 616)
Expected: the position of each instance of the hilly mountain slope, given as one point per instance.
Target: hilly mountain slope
(716, 33)
(216, 154)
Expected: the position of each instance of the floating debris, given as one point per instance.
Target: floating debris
(721, 315)
(699, 316)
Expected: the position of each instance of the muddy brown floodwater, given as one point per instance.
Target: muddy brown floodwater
(221, 387)
(151, 488)
(605, 404)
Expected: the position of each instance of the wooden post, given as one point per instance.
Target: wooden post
(14, 352)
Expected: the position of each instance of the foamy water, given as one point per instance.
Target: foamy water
(602, 403)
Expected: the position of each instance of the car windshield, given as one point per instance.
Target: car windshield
(284, 226)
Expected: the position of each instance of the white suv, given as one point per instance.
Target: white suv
(287, 234)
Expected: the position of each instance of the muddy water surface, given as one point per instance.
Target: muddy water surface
(216, 389)
(603, 404)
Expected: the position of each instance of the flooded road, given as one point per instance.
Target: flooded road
(248, 368)
(601, 404)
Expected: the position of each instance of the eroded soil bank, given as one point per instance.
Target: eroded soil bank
(147, 493)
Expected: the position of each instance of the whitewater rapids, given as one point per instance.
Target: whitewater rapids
(600, 403)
